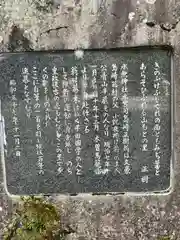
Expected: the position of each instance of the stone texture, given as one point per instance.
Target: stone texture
(105, 24)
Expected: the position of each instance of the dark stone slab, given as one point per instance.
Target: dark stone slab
(64, 136)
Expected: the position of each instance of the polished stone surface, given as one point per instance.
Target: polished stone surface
(22, 172)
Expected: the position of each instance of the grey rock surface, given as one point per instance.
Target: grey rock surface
(44, 25)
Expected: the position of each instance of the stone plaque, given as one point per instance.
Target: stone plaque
(96, 121)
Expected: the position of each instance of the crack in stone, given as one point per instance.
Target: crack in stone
(168, 26)
(150, 23)
(54, 29)
(164, 26)
(115, 15)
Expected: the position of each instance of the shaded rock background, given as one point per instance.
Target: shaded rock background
(56, 24)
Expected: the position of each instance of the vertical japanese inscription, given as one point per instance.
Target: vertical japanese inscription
(106, 122)
(85, 106)
(67, 116)
(125, 98)
(58, 124)
(45, 83)
(15, 120)
(96, 123)
(27, 99)
(144, 140)
(145, 171)
(76, 101)
(115, 117)
(157, 118)
(37, 111)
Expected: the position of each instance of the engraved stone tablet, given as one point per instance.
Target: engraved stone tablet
(94, 122)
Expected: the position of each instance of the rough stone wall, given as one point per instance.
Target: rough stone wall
(56, 24)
